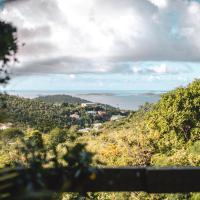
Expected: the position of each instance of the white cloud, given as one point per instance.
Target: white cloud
(160, 3)
(163, 69)
(137, 70)
(72, 76)
(95, 36)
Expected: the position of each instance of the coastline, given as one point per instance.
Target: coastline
(126, 100)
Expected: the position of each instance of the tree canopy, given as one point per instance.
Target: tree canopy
(178, 112)
(8, 48)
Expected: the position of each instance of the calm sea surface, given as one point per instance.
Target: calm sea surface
(131, 100)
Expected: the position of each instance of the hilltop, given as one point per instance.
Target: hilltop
(63, 98)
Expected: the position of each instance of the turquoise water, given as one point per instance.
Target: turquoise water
(124, 99)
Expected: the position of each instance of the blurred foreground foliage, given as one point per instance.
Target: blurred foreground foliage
(8, 49)
(32, 151)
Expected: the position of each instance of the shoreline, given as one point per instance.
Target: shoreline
(125, 100)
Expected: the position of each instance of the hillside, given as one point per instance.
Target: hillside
(34, 113)
(164, 134)
(61, 99)
(67, 99)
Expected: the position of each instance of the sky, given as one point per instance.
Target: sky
(104, 44)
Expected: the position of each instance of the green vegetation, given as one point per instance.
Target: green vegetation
(68, 100)
(34, 113)
(163, 134)
(8, 49)
(167, 133)
(34, 151)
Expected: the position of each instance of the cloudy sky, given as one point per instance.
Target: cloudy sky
(105, 44)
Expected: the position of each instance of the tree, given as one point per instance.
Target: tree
(10, 133)
(178, 112)
(8, 49)
(55, 137)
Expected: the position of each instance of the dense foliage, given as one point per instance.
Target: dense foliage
(178, 112)
(164, 134)
(44, 117)
(8, 48)
(33, 150)
(68, 100)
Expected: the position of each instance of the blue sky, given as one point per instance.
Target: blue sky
(184, 74)
(105, 45)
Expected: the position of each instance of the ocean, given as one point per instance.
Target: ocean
(123, 99)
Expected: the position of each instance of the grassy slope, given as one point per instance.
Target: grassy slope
(121, 143)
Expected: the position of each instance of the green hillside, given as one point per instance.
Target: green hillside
(163, 134)
(166, 133)
(37, 114)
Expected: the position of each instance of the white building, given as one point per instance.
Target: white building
(5, 126)
(91, 112)
(116, 117)
(88, 105)
(84, 130)
(75, 116)
(97, 126)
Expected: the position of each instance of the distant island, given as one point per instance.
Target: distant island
(61, 99)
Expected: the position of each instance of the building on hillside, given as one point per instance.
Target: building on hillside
(84, 105)
(97, 126)
(102, 113)
(124, 112)
(5, 126)
(84, 130)
(75, 116)
(116, 117)
(92, 112)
